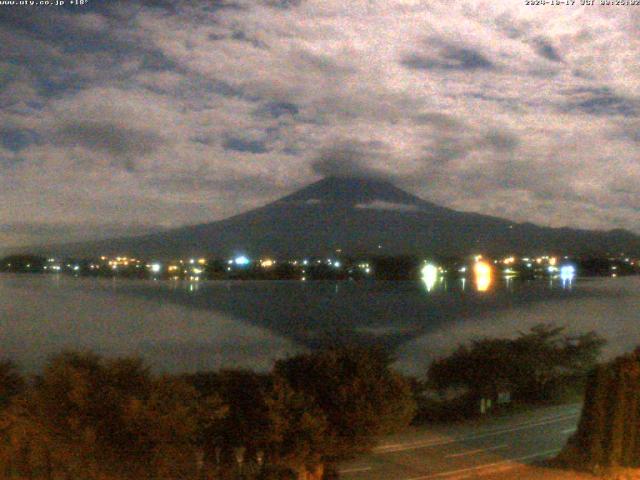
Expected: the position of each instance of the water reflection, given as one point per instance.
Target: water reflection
(229, 323)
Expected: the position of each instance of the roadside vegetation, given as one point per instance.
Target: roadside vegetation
(95, 418)
(541, 366)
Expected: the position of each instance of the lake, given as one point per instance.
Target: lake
(182, 326)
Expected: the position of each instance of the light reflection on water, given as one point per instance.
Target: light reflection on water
(180, 326)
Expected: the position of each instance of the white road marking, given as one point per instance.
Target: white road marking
(355, 470)
(432, 443)
(502, 464)
(478, 450)
(569, 430)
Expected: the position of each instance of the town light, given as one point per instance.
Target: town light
(567, 272)
(429, 276)
(482, 273)
(242, 260)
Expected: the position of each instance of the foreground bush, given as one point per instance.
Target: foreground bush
(87, 417)
(91, 418)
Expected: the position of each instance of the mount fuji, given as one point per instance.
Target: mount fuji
(357, 216)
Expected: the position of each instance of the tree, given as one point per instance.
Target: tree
(89, 418)
(608, 433)
(531, 366)
(245, 424)
(297, 429)
(359, 394)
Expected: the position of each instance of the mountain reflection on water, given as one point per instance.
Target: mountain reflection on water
(182, 326)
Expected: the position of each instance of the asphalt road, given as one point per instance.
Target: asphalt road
(482, 449)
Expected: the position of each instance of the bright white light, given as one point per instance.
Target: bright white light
(156, 267)
(75, 268)
(567, 272)
(337, 264)
(429, 276)
(242, 260)
(463, 269)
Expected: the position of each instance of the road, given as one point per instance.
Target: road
(487, 448)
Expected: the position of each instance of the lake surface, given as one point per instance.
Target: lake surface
(182, 326)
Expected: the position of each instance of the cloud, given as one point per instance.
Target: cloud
(546, 50)
(244, 145)
(450, 57)
(348, 159)
(602, 101)
(167, 113)
(124, 145)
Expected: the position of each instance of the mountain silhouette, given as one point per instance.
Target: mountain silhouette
(358, 216)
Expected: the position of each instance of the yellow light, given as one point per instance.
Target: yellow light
(482, 273)
(202, 261)
(267, 263)
(553, 261)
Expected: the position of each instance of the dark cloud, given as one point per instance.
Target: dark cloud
(502, 141)
(124, 144)
(278, 109)
(601, 101)
(439, 120)
(245, 145)
(349, 159)
(325, 64)
(449, 57)
(239, 36)
(544, 48)
(455, 144)
(16, 139)
(283, 4)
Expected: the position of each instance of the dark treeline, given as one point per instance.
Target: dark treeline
(95, 418)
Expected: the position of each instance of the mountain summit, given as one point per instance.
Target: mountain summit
(357, 216)
(351, 191)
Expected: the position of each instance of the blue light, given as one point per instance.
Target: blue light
(242, 260)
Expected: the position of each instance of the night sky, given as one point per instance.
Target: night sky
(124, 117)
